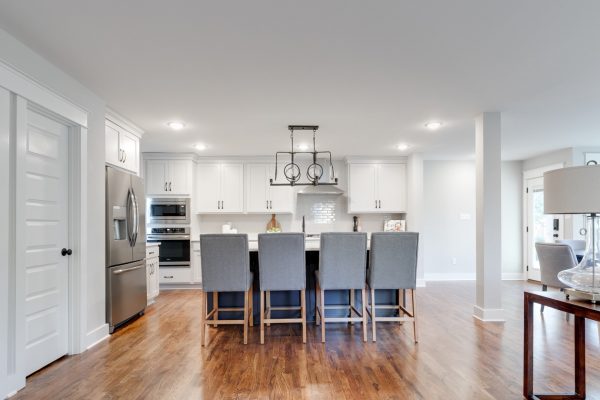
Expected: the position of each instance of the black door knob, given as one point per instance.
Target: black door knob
(66, 252)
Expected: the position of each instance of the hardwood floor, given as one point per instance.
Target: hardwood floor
(159, 356)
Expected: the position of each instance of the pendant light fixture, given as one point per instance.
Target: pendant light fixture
(314, 172)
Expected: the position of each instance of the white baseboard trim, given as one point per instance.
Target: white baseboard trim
(488, 314)
(96, 336)
(11, 394)
(513, 276)
(173, 286)
(470, 276)
(421, 282)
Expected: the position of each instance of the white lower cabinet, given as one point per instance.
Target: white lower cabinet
(175, 275)
(152, 272)
(196, 264)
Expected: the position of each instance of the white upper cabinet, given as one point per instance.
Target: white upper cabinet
(219, 188)
(169, 177)
(391, 184)
(122, 146)
(261, 197)
(376, 187)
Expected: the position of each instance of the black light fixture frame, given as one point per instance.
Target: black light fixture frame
(291, 170)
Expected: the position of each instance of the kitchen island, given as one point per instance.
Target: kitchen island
(292, 298)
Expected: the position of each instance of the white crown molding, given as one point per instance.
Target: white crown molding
(29, 88)
(123, 122)
(168, 156)
(375, 160)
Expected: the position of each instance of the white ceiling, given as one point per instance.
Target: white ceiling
(370, 73)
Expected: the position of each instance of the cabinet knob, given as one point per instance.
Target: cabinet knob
(66, 252)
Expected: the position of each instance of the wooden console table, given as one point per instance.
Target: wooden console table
(582, 310)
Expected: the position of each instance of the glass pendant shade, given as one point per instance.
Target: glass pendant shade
(576, 190)
(586, 275)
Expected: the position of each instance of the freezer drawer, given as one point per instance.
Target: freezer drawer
(125, 292)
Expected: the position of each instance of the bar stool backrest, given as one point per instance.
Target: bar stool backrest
(281, 260)
(225, 262)
(343, 260)
(393, 260)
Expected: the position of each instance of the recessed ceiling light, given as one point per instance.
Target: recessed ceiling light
(402, 147)
(200, 146)
(303, 147)
(433, 125)
(176, 125)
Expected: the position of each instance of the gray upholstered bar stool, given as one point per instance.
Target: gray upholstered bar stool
(225, 268)
(282, 264)
(393, 265)
(342, 266)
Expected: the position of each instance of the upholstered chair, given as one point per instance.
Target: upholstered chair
(342, 266)
(225, 268)
(393, 265)
(282, 265)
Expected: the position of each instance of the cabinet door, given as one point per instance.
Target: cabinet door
(256, 188)
(148, 279)
(155, 283)
(196, 264)
(391, 187)
(180, 178)
(208, 188)
(111, 143)
(129, 145)
(232, 188)
(156, 177)
(361, 196)
(281, 198)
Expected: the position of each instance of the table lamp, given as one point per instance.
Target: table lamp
(576, 190)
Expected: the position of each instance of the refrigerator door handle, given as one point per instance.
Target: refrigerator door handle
(129, 218)
(135, 217)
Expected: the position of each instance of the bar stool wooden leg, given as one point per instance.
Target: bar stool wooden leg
(216, 306)
(262, 317)
(401, 302)
(364, 313)
(352, 296)
(203, 318)
(246, 317)
(414, 313)
(268, 306)
(373, 323)
(251, 306)
(317, 301)
(323, 319)
(303, 305)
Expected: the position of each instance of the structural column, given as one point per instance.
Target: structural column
(414, 217)
(488, 305)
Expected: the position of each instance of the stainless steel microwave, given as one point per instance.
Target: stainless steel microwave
(169, 211)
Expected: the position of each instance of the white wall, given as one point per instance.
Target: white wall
(449, 191)
(25, 60)
(449, 215)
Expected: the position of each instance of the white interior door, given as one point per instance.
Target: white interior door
(539, 226)
(43, 177)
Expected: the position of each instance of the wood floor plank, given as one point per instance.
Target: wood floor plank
(159, 356)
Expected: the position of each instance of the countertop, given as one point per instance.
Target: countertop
(312, 242)
(152, 244)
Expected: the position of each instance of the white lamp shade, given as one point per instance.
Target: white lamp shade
(573, 190)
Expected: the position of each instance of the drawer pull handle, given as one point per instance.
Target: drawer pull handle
(168, 276)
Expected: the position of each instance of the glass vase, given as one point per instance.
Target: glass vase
(585, 276)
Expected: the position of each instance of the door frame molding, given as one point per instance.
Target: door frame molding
(26, 92)
(530, 174)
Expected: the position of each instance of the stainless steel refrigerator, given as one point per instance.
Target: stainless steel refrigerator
(125, 247)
